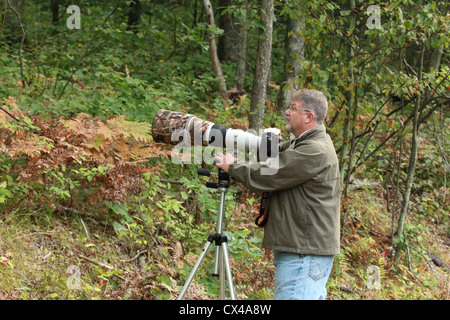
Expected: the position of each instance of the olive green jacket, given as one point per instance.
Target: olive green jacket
(304, 209)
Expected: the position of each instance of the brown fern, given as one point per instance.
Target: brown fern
(82, 140)
(177, 255)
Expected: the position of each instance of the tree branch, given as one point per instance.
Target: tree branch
(86, 53)
(213, 50)
(21, 43)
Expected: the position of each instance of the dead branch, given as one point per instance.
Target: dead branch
(21, 42)
(103, 265)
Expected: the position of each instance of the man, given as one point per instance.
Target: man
(304, 207)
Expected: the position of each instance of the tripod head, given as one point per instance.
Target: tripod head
(223, 178)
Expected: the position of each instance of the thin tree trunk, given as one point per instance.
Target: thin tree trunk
(241, 54)
(343, 155)
(213, 49)
(294, 47)
(194, 20)
(262, 69)
(436, 57)
(411, 169)
(54, 6)
(227, 42)
(134, 16)
(22, 75)
(346, 154)
(351, 152)
(397, 173)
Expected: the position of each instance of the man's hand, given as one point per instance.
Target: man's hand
(276, 132)
(223, 160)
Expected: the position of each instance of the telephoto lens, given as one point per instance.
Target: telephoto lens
(172, 127)
(169, 124)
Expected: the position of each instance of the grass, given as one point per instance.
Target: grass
(42, 257)
(364, 269)
(41, 252)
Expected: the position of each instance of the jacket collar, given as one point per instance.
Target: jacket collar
(310, 134)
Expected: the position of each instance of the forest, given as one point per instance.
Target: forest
(92, 208)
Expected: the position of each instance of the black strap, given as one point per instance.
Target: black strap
(263, 210)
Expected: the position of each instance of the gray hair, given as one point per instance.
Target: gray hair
(314, 101)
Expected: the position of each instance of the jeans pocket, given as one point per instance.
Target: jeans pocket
(320, 267)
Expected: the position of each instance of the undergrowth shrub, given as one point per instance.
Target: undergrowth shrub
(77, 161)
(110, 170)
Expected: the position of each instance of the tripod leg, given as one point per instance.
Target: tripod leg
(194, 270)
(217, 262)
(226, 262)
(221, 273)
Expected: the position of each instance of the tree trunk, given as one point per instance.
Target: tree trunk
(411, 169)
(241, 50)
(436, 57)
(294, 46)
(343, 155)
(134, 16)
(346, 152)
(227, 42)
(349, 141)
(194, 20)
(15, 10)
(352, 142)
(262, 68)
(54, 6)
(213, 49)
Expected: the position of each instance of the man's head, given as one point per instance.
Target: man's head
(308, 109)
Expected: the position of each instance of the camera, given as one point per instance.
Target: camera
(186, 130)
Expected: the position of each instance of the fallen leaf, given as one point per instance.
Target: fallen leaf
(101, 283)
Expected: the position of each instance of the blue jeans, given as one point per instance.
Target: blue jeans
(299, 277)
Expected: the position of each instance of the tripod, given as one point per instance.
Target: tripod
(222, 262)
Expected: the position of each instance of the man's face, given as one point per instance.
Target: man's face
(297, 118)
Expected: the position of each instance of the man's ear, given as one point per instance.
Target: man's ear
(309, 117)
